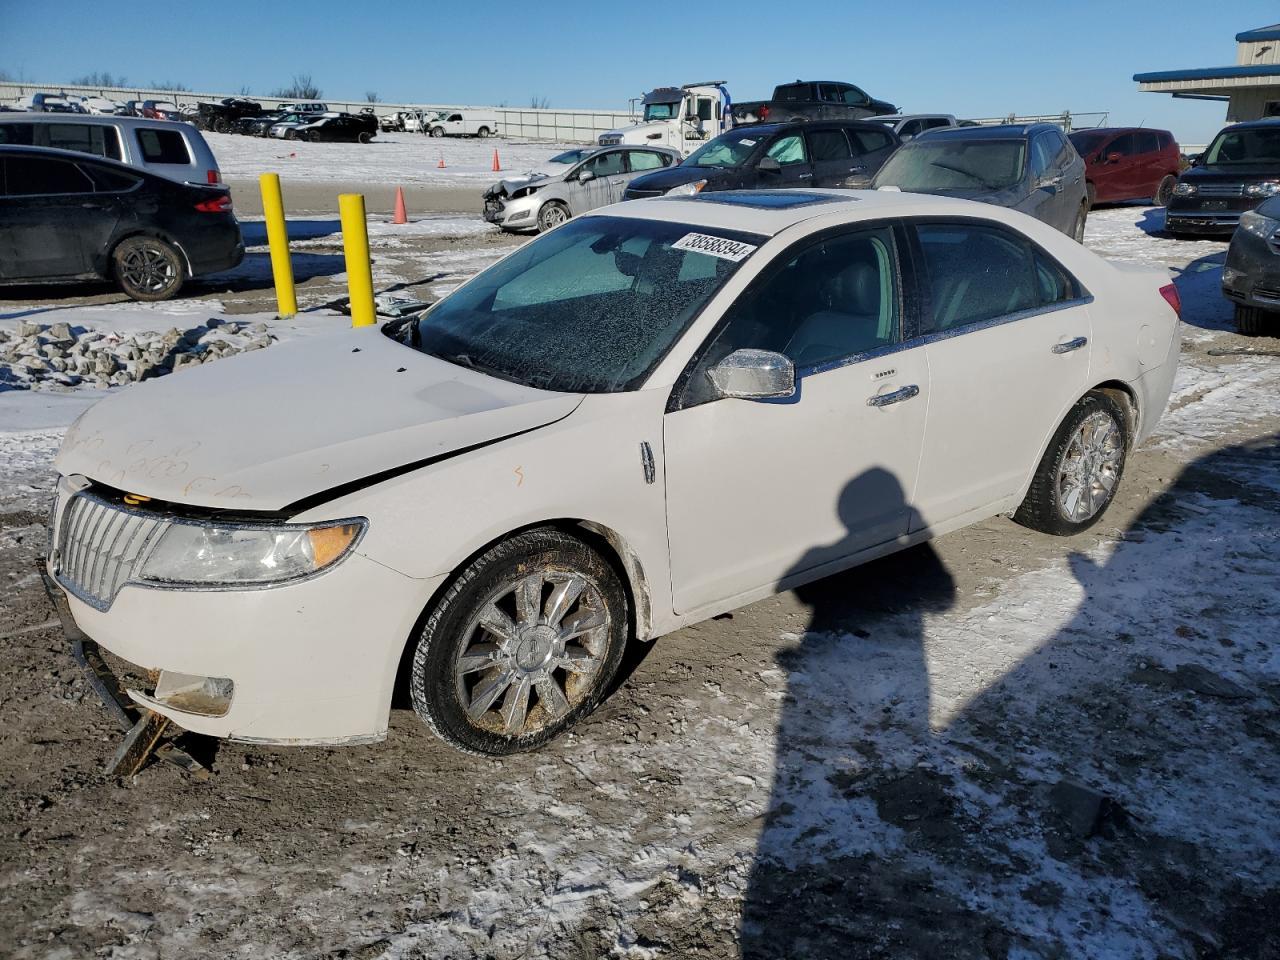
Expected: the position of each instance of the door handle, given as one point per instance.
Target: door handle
(804, 176)
(897, 396)
(91, 206)
(1070, 345)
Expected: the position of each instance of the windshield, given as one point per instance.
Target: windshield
(926, 165)
(571, 156)
(1086, 142)
(727, 150)
(590, 307)
(1256, 145)
(661, 111)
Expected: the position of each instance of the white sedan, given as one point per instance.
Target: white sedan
(653, 414)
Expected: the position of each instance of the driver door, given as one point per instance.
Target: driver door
(607, 184)
(761, 491)
(795, 167)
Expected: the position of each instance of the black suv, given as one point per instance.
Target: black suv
(1238, 170)
(820, 153)
(67, 216)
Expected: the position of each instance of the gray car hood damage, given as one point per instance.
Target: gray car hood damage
(270, 428)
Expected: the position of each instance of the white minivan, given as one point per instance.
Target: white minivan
(173, 150)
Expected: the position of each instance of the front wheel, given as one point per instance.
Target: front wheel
(365, 137)
(147, 268)
(1078, 475)
(552, 214)
(1164, 192)
(526, 641)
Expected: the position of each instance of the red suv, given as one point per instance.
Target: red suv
(1128, 163)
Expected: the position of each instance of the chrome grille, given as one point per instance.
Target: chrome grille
(99, 545)
(1221, 190)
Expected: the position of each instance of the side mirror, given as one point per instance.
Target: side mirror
(1197, 159)
(754, 375)
(769, 165)
(586, 176)
(1113, 158)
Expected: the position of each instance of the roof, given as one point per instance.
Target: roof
(1008, 131)
(1259, 33)
(23, 116)
(1211, 73)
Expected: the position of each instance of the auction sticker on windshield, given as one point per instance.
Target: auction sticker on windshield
(733, 250)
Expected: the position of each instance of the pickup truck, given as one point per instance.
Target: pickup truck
(811, 100)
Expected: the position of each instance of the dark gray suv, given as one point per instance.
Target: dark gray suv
(1028, 167)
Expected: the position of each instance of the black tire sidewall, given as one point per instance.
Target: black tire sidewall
(432, 688)
(147, 296)
(1163, 196)
(1041, 510)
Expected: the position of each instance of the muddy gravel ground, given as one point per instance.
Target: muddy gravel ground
(998, 745)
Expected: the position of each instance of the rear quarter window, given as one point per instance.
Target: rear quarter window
(95, 138)
(163, 146)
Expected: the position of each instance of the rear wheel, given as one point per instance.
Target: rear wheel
(147, 268)
(483, 133)
(1252, 322)
(552, 214)
(524, 643)
(1164, 192)
(1079, 473)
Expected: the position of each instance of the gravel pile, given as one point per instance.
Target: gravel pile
(60, 356)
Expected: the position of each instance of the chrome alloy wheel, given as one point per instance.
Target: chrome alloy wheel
(553, 215)
(146, 268)
(1090, 467)
(532, 652)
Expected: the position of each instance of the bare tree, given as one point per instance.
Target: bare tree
(244, 90)
(5, 76)
(302, 88)
(171, 86)
(101, 78)
(372, 96)
(539, 103)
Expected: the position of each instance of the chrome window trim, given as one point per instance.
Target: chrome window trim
(939, 335)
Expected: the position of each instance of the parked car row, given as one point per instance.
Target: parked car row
(301, 123)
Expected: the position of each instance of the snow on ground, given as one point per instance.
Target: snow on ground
(394, 158)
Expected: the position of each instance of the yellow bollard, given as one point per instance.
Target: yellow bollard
(278, 240)
(355, 243)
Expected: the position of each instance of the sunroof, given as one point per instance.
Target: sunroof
(770, 199)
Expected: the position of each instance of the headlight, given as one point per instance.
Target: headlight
(229, 554)
(1185, 190)
(687, 189)
(1258, 225)
(1261, 189)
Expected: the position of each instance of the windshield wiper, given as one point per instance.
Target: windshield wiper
(964, 173)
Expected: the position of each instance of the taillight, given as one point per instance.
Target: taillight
(213, 176)
(763, 112)
(1170, 293)
(216, 205)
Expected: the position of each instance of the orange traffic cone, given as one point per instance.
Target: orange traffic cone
(496, 165)
(440, 165)
(400, 215)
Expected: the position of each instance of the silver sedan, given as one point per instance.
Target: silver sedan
(569, 184)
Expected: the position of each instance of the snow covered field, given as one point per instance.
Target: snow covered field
(997, 745)
(395, 158)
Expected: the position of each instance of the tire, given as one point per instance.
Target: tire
(364, 137)
(483, 133)
(1091, 194)
(551, 214)
(147, 268)
(291, 134)
(471, 683)
(1095, 435)
(1253, 322)
(1077, 229)
(437, 131)
(1164, 192)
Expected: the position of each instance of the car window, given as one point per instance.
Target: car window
(869, 141)
(831, 300)
(645, 160)
(1126, 145)
(936, 122)
(792, 91)
(975, 273)
(607, 164)
(1041, 156)
(29, 176)
(1148, 142)
(1054, 283)
(20, 134)
(852, 96)
(95, 138)
(910, 128)
(162, 146)
(828, 145)
(788, 149)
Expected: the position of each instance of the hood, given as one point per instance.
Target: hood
(669, 177)
(266, 429)
(510, 186)
(1233, 173)
(655, 130)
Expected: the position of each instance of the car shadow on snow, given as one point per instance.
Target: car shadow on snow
(1106, 794)
(1199, 285)
(254, 232)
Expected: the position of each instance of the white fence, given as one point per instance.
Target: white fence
(564, 126)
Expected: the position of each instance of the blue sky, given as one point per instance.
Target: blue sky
(968, 58)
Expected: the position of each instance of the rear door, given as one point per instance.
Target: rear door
(873, 145)
(832, 157)
(99, 139)
(1007, 332)
(52, 220)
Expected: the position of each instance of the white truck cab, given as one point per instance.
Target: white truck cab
(678, 117)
